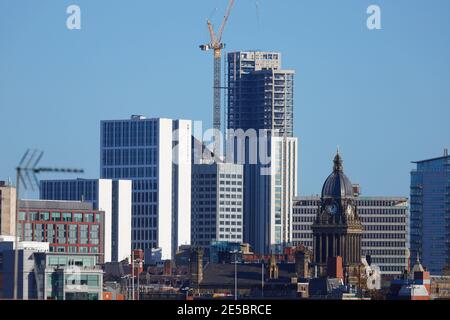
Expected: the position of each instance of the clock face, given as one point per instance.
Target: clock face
(332, 209)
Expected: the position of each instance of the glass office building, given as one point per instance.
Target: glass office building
(156, 155)
(430, 213)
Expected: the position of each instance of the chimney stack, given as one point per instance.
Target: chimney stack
(302, 264)
(196, 265)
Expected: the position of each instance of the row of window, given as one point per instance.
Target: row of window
(70, 190)
(129, 133)
(60, 216)
(75, 249)
(388, 227)
(130, 157)
(129, 173)
(144, 222)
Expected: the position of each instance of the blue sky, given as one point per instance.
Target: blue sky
(382, 96)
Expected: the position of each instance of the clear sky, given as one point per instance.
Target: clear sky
(383, 96)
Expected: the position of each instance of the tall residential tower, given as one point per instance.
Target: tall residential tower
(260, 132)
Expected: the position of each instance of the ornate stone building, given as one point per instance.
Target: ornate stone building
(337, 228)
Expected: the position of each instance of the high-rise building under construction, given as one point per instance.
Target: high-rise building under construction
(260, 99)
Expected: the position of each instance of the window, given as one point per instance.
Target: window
(78, 217)
(22, 216)
(89, 217)
(56, 216)
(44, 216)
(33, 216)
(67, 217)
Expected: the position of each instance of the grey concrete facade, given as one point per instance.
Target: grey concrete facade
(217, 203)
(385, 235)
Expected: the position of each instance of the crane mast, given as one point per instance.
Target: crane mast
(217, 45)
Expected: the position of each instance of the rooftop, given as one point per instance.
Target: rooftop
(249, 274)
(55, 204)
(434, 159)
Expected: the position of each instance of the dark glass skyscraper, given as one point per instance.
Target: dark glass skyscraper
(430, 213)
(260, 97)
(260, 93)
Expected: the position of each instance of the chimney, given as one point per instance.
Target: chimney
(335, 267)
(302, 264)
(167, 267)
(356, 190)
(273, 268)
(196, 265)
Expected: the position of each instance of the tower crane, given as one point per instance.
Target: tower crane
(217, 45)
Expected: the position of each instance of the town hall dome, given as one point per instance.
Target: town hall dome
(337, 184)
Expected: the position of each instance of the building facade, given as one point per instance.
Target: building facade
(385, 234)
(45, 275)
(337, 228)
(27, 285)
(217, 204)
(156, 155)
(110, 196)
(7, 209)
(68, 226)
(260, 93)
(430, 213)
(260, 132)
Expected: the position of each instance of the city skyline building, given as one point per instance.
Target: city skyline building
(260, 93)
(111, 196)
(7, 209)
(430, 213)
(337, 228)
(156, 155)
(217, 204)
(45, 275)
(260, 126)
(68, 226)
(385, 223)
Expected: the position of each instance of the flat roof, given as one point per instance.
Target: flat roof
(432, 159)
(55, 204)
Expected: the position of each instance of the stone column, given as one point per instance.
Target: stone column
(358, 239)
(335, 244)
(352, 248)
(319, 252)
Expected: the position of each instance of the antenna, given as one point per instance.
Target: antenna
(26, 172)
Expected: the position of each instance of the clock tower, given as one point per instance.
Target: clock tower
(337, 228)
